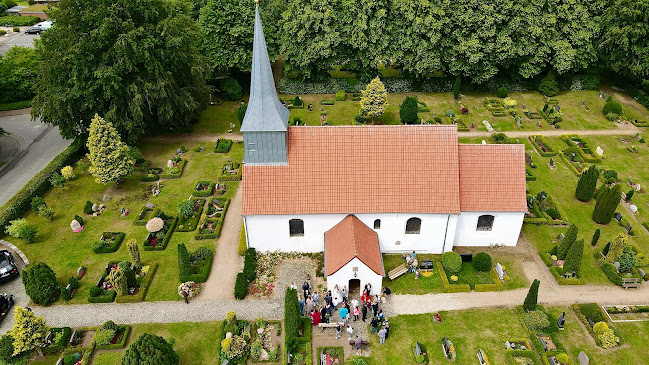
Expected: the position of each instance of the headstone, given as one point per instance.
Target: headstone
(518, 120)
(599, 151)
(95, 207)
(551, 161)
(507, 345)
(105, 199)
(484, 142)
(583, 358)
(617, 265)
(587, 108)
(81, 271)
(628, 227)
(75, 225)
(524, 106)
(637, 187)
(557, 108)
(545, 345)
(561, 321)
(641, 272)
(583, 102)
(170, 164)
(572, 157)
(481, 357)
(633, 208)
(561, 236)
(617, 216)
(149, 205)
(499, 271)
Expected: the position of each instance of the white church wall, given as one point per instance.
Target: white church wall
(505, 230)
(271, 232)
(364, 274)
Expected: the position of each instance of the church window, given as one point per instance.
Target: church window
(377, 224)
(296, 227)
(485, 222)
(413, 226)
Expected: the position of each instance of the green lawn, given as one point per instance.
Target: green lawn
(65, 251)
(470, 276)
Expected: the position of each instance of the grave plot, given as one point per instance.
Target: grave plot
(151, 174)
(189, 215)
(266, 343)
(541, 145)
(582, 148)
(175, 168)
(160, 230)
(123, 282)
(596, 322)
(203, 189)
(627, 313)
(230, 171)
(108, 242)
(543, 209)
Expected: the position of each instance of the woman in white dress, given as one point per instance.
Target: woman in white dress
(335, 296)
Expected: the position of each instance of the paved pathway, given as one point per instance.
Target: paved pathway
(227, 262)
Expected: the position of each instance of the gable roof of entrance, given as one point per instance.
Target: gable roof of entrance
(349, 239)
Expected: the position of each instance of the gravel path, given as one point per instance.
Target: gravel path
(227, 262)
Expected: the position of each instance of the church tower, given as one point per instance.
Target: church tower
(266, 121)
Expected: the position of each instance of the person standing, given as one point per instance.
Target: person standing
(350, 331)
(305, 288)
(323, 316)
(364, 311)
(359, 344)
(315, 317)
(316, 299)
(382, 333)
(356, 313)
(309, 304)
(374, 324)
(343, 315)
(375, 307)
(354, 303)
(343, 293)
(301, 304)
(339, 332)
(386, 326)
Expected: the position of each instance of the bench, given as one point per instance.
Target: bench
(630, 283)
(330, 325)
(398, 271)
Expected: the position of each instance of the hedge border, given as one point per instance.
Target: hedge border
(243, 241)
(451, 288)
(114, 247)
(563, 281)
(167, 174)
(108, 297)
(496, 286)
(530, 354)
(191, 222)
(567, 139)
(118, 345)
(144, 288)
(38, 185)
(206, 236)
(58, 347)
(226, 178)
(165, 240)
(202, 276)
(228, 143)
(538, 149)
(141, 222)
(203, 194)
(529, 176)
(570, 166)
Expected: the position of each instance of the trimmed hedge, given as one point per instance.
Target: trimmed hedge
(582, 310)
(96, 248)
(611, 273)
(174, 172)
(142, 222)
(558, 276)
(186, 270)
(250, 264)
(215, 234)
(203, 193)
(63, 341)
(243, 242)
(223, 146)
(550, 152)
(240, 286)
(165, 240)
(144, 288)
(585, 152)
(119, 345)
(451, 288)
(21, 202)
(107, 297)
(341, 96)
(496, 286)
(228, 177)
(569, 164)
(18, 21)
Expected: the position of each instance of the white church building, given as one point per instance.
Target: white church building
(356, 192)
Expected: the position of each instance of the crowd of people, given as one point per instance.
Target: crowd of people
(322, 308)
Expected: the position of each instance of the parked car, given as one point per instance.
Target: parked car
(8, 268)
(6, 302)
(34, 30)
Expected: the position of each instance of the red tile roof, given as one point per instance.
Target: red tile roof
(359, 169)
(492, 178)
(349, 239)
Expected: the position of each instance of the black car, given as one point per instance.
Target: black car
(8, 268)
(33, 30)
(6, 302)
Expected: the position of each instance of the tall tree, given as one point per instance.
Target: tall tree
(109, 156)
(18, 74)
(374, 99)
(408, 110)
(568, 239)
(532, 296)
(28, 331)
(593, 241)
(607, 200)
(587, 183)
(573, 259)
(139, 67)
(616, 249)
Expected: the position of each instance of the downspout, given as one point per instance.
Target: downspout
(448, 218)
(245, 227)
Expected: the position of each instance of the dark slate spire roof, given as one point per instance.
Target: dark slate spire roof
(265, 112)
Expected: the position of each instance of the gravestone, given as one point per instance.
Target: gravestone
(105, 199)
(557, 108)
(599, 151)
(617, 216)
(518, 120)
(545, 345)
(617, 265)
(499, 271)
(170, 164)
(641, 272)
(551, 162)
(637, 187)
(75, 225)
(530, 203)
(149, 205)
(524, 106)
(583, 102)
(628, 227)
(561, 236)
(583, 358)
(572, 157)
(507, 345)
(587, 108)
(481, 357)
(561, 321)
(95, 207)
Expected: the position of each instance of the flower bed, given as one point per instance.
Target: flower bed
(331, 355)
(176, 171)
(541, 144)
(203, 189)
(590, 314)
(217, 208)
(141, 164)
(230, 172)
(152, 174)
(118, 341)
(189, 224)
(266, 346)
(223, 145)
(145, 215)
(144, 278)
(582, 148)
(209, 228)
(59, 339)
(158, 241)
(108, 242)
(237, 348)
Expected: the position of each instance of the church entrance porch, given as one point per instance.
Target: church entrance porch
(354, 288)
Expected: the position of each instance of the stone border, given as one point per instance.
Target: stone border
(15, 249)
(622, 320)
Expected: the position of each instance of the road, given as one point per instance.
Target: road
(20, 39)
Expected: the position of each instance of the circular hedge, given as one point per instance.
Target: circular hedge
(612, 107)
(482, 261)
(452, 261)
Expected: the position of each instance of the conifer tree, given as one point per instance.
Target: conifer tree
(374, 99)
(408, 111)
(568, 239)
(616, 248)
(593, 242)
(117, 278)
(532, 296)
(587, 183)
(456, 87)
(28, 331)
(184, 265)
(109, 156)
(607, 200)
(134, 252)
(573, 259)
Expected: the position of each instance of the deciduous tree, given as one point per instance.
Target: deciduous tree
(28, 331)
(374, 99)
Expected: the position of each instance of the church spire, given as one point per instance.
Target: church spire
(265, 112)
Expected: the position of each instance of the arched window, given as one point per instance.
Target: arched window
(413, 226)
(377, 224)
(485, 222)
(296, 227)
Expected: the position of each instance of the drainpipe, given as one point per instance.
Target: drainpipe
(448, 218)
(245, 228)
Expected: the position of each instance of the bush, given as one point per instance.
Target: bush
(612, 107)
(57, 180)
(612, 117)
(250, 264)
(482, 261)
(96, 291)
(79, 219)
(291, 319)
(66, 294)
(611, 273)
(452, 261)
(20, 228)
(73, 282)
(456, 87)
(46, 212)
(184, 265)
(608, 339)
(38, 203)
(40, 284)
(230, 89)
(18, 21)
(151, 349)
(87, 209)
(536, 321)
(600, 327)
(72, 359)
(549, 86)
(608, 199)
(627, 260)
(240, 286)
(408, 110)
(186, 208)
(16, 30)
(6, 347)
(241, 112)
(341, 96)
(2, 32)
(67, 172)
(502, 92)
(592, 312)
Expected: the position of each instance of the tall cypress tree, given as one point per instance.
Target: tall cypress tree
(573, 260)
(587, 183)
(607, 200)
(456, 87)
(593, 242)
(569, 238)
(532, 296)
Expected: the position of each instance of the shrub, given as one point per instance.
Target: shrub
(532, 296)
(341, 96)
(408, 110)
(250, 265)
(16, 30)
(186, 208)
(18, 21)
(563, 358)
(20, 228)
(38, 203)
(452, 261)
(608, 339)
(96, 291)
(482, 261)
(6, 347)
(502, 92)
(241, 112)
(184, 265)
(536, 320)
(629, 195)
(72, 359)
(73, 282)
(103, 336)
(291, 319)
(456, 87)
(40, 284)
(612, 117)
(611, 273)
(592, 312)
(230, 89)
(549, 85)
(627, 259)
(87, 209)
(612, 107)
(151, 349)
(2, 32)
(79, 219)
(450, 113)
(67, 172)
(600, 327)
(57, 180)
(587, 183)
(240, 286)
(573, 259)
(610, 176)
(46, 212)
